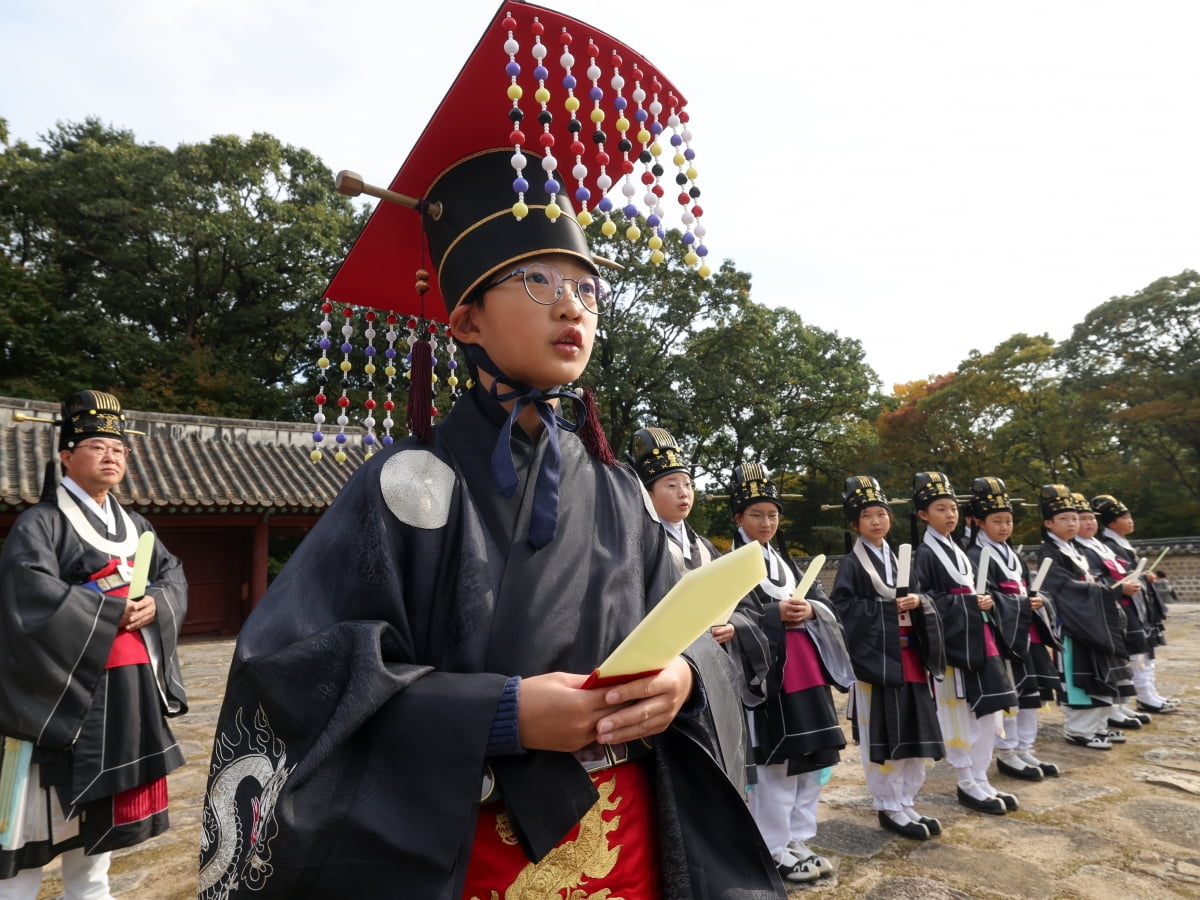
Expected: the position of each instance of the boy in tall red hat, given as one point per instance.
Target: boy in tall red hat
(406, 709)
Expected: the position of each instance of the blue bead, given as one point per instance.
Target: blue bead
(656, 128)
(641, 115)
(324, 344)
(630, 211)
(541, 73)
(582, 194)
(605, 204)
(318, 437)
(688, 237)
(387, 440)
(390, 353)
(340, 438)
(552, 186)
(513, 69)
(369, 440)
(452, 364)
(701, 250)
(369, 350)
(676, 140)
(620, 103)
(689, 153)
(520, 185)
(653, 221)
(595, 93)
(569, 82)
(347, 347)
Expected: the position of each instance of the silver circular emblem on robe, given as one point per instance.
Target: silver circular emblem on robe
(417, 487)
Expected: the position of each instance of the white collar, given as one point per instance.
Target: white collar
(1119, 539)
(105, 512)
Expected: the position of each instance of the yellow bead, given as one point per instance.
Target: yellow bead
(597, 116)
(679, 159)
(705, 270)
(656, 149)
(316, 456)
(345, 365)
(553, 210)
(323, 362)
(541, 95)
(692, 258)
(608, 229)
(644, 136)
(571, 104)
(520, 209)
(622, 124)
(657, 257)
(515, 92)
(368, 454)
(452, 381)
(340, 456)
(369, 368)
(633, 233)
(656, 242)
(390, 371)
(692, 173)
(584, 218)
(433, 377)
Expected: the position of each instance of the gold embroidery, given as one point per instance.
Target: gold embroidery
(504, 830)
(567, 864)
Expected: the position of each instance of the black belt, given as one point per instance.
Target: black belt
(594, 758)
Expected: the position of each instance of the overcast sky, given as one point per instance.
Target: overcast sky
(926, 177)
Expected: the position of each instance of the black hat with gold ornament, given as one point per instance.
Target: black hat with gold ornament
(655, 454)
(859, 492)
(930, 486)
(1108, 508)
(751, 484)
(1055, 499)
(90, 414)
(989, 495)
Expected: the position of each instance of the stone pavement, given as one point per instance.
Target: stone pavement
(1120, 824)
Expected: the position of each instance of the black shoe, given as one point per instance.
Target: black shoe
(993, 806)
(1168, 707)
(1095, 742)
(1050, 770)
(915, 830)
(1024, 771)
(934, 825)
(1130, 723)
(1112, 736)
(1142, 717)
(1009, 801)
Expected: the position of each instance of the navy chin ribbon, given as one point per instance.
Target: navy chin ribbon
(544, 522)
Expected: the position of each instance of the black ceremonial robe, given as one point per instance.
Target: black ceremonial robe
(700, 548)
(1093, 627)
(96, 731)
(1153, 609)
(903, 714)
(1108, 568)
(986, 687)
(351, 747)
(800, 728)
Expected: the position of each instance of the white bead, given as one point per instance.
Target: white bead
(617, 82)
(650, 200)
(579, 171)
(639, 95)
(347, 330)
(604, 183)
(388, 423)
(369, 334)
(391, 336)
(687, 218)
(629, 188)
(369, 422)
(687, 134)
(411, 339)
(511, 47)
(655, 108)
(326, 326)
(700, 230)
(343, 421)
(593, 73)
(673, 120)
(518, 161)
(566, 60)
(549, 163)
(319, 418)
(538, 51)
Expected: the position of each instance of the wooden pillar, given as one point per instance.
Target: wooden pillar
(258, 565)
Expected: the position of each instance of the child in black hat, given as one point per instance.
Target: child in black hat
(895, 641)
(1026, 629)
(795, 733)
(976, 689)
(406, 712)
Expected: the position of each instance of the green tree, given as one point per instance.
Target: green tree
(182, 279)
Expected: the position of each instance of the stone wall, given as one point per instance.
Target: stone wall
(1181, 564)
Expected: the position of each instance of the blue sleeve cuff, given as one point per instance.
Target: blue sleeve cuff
(698, 701)
(504, 739)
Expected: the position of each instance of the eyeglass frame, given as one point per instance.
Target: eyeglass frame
(763, 517)
(561, 289)
(93, 445)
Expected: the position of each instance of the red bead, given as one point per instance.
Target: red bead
(369, 403)
(602, 158)
(684, 199)
(546, 139)
(431, 328)
(343, 402)
(638, 75)
(537, 28)
(616, 59)
(697, 210)
(593, 50)
(320, 399)
(566, 37)
(412, 323)
(516, 136)
(647, 178)
(370, 317)
(684, 117)
(348, 313)
(655, 84)
(389, 405)
(510, 23)
(577, 148)
(392, 319)
(432, 411)
(627, 167)
(448, 332)
(657, 190)
(327, 307)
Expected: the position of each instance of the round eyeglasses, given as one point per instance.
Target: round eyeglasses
(546, 285)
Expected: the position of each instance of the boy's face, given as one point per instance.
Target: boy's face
(672, 496)
(541, 346)
(759, 520)
(941, 515)
(1064, 525)
(873, 524)
(998, 526)
(1087, 525)
(1122, 525)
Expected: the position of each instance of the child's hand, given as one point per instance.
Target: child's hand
(1035, 602)
(907, 602)
(985, 601)
(646, 706)
(795, 610)
(1129, 588)
(722, 634)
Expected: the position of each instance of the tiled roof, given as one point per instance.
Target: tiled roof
(184, 461)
